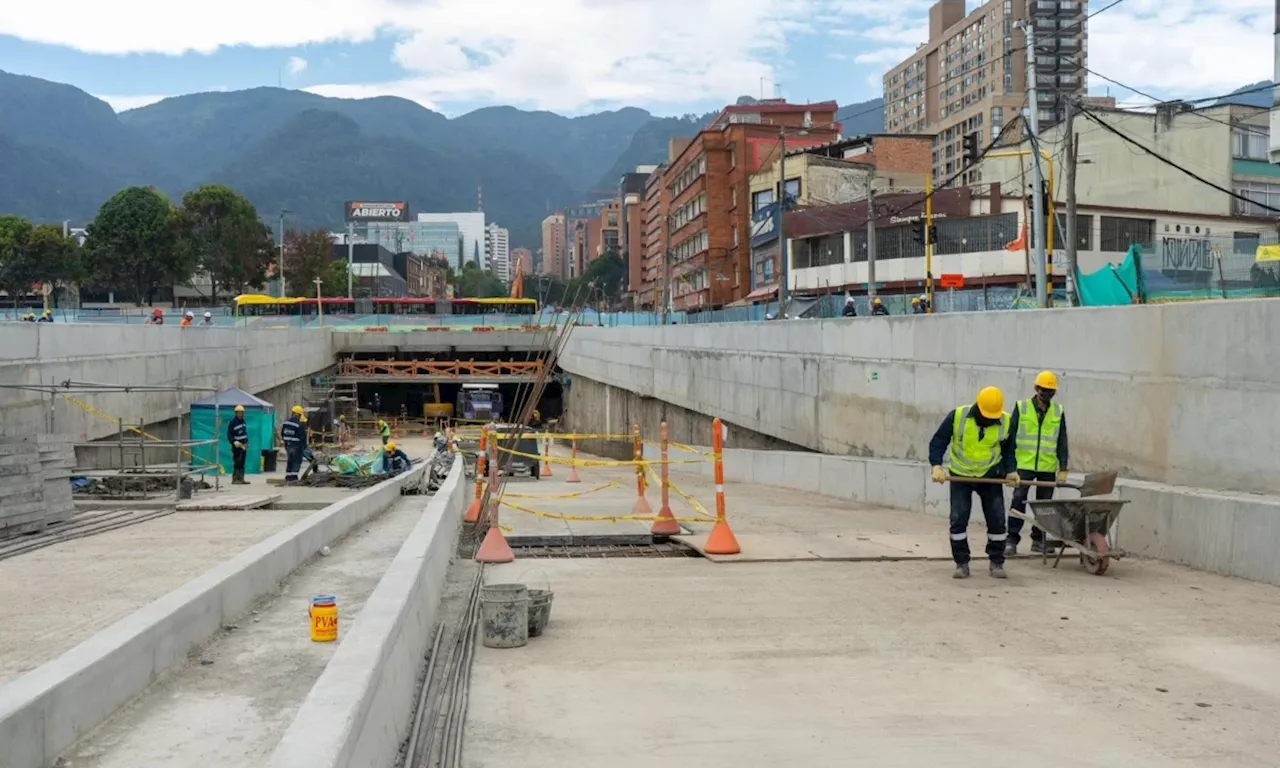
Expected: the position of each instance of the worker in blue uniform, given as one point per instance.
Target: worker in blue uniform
(293, 433)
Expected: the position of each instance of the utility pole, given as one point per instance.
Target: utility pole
(1072, 148)
(1037, 204)
(928, 241)
(280, 270)
(784, 285)
(871, 233)
(351, 257)
(319, 302)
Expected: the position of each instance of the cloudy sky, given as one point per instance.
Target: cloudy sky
(576, 56)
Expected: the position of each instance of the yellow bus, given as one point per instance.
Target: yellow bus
(500, 306)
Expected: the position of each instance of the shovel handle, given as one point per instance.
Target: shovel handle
(1000, 481)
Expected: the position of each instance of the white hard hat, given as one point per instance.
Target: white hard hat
(208, 314)
(191, 314)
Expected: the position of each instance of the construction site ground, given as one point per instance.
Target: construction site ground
(58, 596)
(885, 663)
(231, 701)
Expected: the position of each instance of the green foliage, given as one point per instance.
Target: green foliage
(308, 255)
(476, 283)
(132, 245)
(601, 282)
(30, 255)
(220, 231)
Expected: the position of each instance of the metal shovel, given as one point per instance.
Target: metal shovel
(1094, 483)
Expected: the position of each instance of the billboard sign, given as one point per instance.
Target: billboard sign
(764, 225)
(367, 212)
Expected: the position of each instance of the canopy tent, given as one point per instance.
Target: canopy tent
(259, 416)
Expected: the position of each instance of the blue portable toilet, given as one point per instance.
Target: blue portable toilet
(259, 416)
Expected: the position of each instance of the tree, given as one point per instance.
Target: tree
(57, 257)
(132, 245)
(609, 274)
(221, 231)
(308, 255)
(476, 283)
(19, 266)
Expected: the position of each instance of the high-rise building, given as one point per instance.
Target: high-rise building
(553, 245)
(631, 189)
(422, 238)
(523, 257)
(971, 75)
(471, 227)
(498, 251)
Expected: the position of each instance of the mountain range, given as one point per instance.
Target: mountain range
(64, 152)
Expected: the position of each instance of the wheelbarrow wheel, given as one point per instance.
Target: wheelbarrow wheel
(1096, 564)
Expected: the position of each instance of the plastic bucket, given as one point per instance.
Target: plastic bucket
(504, 615)
(539, 610)
(324, 618)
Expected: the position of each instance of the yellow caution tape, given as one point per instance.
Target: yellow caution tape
(697, 506)
(588, 462)
(614, 484)
(594, 518)
(134, 430)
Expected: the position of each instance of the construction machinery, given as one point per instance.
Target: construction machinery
(479, 402)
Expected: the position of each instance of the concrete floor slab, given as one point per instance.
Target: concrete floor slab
(685, 663)
(60, 595)
(233, 710)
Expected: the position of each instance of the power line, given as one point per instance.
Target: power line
(1016, 49)
(1246, 128)
(1107, 126)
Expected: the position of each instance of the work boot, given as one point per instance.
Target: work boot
(1037, 546)
(962, 571)
(1010, 548)
(997, 571)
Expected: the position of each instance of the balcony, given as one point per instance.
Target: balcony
(1044, 7)
(1047, 63)
(1071, 44)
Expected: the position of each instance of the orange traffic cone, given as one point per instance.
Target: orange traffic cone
(721, 541)
(546, 459)
(473, 511)
(573, 468)
(642, 504)
(494, 548)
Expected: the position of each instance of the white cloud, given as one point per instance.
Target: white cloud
(125, 103)
(566, 55)
(297, 65)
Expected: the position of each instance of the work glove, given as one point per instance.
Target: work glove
(939, 476)
(1062, 477)
(1012, 479)
(240, 446)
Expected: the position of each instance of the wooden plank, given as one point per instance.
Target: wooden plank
(227, 503)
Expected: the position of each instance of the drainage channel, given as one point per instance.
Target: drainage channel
(596, 547)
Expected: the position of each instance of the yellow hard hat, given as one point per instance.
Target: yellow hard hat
(991, 402)
(342, 417)
(876, 300)
(391, 446)
(297, 409)
(915, 300)
(1047, 380)
(239, 409)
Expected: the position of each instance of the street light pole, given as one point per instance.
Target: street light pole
(280, 269)
(784, 252)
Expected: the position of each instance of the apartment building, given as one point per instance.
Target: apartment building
(971, 75)
(652, 290)
(521, 261)
(497, 243)
(631, 196)
(708, 219)
(554, 246)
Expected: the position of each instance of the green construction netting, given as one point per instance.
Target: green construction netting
(262, 429)
(1111, 286)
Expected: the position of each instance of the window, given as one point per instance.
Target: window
(612, 218)
(1249, 143)
(793, 189)
(761, 200)
(1117, 233)
(733, 196)
(1262, 194)
(1246, 243)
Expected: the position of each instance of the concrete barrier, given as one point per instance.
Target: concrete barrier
(357, 714)
(45, 711)
(1232, 534)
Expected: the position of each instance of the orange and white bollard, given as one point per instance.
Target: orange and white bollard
(473, 512)
(666, 524)
(494, 548)
(721, 541)
(573, 468)
(546, 457)
(642, 504)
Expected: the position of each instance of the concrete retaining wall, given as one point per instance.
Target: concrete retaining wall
(1179, 394)
(46, 710)
(357, 714)
(1232, 534)
(255, 361)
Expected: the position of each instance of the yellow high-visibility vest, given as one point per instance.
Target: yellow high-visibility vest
(1037, 441)
(971, 455)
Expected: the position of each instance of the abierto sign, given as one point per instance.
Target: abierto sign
(362, 211)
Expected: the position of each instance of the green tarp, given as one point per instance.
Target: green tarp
(259, 416)
(1111, 286)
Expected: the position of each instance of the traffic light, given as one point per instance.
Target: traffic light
(971, 155)
(917, 231)
(933, 234)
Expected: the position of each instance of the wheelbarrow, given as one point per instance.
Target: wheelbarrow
(1085, 524)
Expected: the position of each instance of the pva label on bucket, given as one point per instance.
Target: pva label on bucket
(324, 618)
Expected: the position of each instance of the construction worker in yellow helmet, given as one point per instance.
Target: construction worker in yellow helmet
(978, 438)
(384, 431)
(238, 436)
(1039, 426)
(294, 436)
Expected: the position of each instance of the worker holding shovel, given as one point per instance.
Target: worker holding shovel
(981, 453)
(1040, 429)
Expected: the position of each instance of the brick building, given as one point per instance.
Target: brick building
(631, 199)
(522, 260)
(707, 219)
